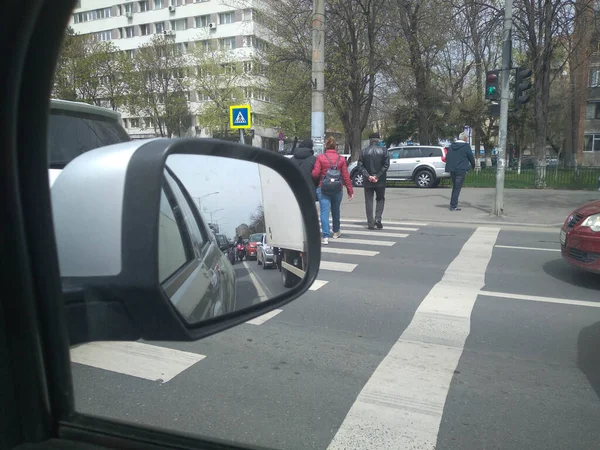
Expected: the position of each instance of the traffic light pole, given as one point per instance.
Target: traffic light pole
(504, 100)
(318, 77)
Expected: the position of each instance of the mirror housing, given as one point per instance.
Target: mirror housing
(105, 207)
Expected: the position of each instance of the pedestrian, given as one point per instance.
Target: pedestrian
(458, 160)
(304, 158)
(331, 174)
(373, 163)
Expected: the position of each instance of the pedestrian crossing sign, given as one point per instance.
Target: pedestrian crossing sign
(239, 117)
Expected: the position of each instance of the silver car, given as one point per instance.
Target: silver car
(265, 255)
(423, 164)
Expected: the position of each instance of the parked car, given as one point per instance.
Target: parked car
(265, 255)
(251, 247)
(423, 164)
(580, 237)
(75, 128)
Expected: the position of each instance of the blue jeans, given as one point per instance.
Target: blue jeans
(329, 203)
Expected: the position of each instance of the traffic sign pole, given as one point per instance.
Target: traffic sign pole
(504, 99)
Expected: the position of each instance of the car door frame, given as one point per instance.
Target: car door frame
(36, 387)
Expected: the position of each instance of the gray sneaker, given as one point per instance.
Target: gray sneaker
(336, 235)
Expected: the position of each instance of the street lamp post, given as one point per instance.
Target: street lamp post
(199, 199)
(212, 212)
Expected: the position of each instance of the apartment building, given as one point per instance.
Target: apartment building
(591, 136)
(233, 24)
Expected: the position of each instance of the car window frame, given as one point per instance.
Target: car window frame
(415, 149)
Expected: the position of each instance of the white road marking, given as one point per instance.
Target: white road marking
(390, 222)
(375, 233)
(337, 266)
(364, 227)
(364, 242)
(135, 358)
(529, 248)
(257, 284)
(347, 251)
(537, 298)
(401, 405)
(262, 319)
(317, 285)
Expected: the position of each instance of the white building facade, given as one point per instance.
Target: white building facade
(131, 24)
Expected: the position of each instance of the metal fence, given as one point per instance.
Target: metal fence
(557, 178)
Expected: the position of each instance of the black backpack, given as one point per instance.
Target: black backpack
(332, 181)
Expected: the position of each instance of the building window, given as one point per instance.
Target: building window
(201, 1)
(179, 2)
(594, 77)
(591, 143)
(135, 123)
(128, 32)
(96, 14)
(159, 27)
(247, 15)
(128, 8)
(228, 43)
(225, 18)
(203, 97)
(182, 47)
(159, 4)
(249, 41)
(145, 29)
(202, 21)
(179, 25)
(78, 4)
(247, 66)
(144, 6)
(103, 35)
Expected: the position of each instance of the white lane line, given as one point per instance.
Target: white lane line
(135, 358)
(401, 405)
(537, 298)
(390, 222)
(375, 233)
(317, 285)
(386, 228)
(262, 319)
(529, 248)
(348, 251)
(257, 284)
(365, 242)
(337, 266)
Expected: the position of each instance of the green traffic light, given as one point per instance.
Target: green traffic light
(491, 90)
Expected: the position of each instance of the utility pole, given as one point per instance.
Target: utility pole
(318, 76)
(504, 99)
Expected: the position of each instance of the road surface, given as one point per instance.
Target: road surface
(418, 336)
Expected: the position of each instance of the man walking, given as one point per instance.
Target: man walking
(458, 160)
(304, 158)
(373, 163)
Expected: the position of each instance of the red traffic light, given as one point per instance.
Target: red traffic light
(491, 77)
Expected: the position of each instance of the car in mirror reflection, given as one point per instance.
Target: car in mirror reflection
(265, 256)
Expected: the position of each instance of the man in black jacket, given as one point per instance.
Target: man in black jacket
(304, 159)
(374, 163)
(458, 161)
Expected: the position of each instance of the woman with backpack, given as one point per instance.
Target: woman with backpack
(331, 172)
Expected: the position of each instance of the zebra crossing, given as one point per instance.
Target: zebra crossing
(359, 243)
(161, 363)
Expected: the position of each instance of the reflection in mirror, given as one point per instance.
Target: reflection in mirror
(235, 239)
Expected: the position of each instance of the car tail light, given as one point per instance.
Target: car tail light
(445, 152)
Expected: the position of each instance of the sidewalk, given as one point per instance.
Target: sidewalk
(523, 207)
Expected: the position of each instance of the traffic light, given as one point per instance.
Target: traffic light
(522, 84)
(492, 91)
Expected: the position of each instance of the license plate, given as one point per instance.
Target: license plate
(563, 237)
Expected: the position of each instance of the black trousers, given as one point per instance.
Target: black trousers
(379, 203)
(458, 178)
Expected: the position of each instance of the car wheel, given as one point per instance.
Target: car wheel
(424, 179)
(357, 179)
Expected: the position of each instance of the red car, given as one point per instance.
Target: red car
(580, 237)
(251, 247)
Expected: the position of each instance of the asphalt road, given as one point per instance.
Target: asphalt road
(449, 338)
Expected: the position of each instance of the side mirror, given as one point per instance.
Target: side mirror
(137, 258)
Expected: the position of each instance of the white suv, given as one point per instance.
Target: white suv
(423, 164)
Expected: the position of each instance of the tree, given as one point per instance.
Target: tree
(156, 83)
(221, 81)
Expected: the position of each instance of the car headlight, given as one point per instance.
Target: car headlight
(593, 222)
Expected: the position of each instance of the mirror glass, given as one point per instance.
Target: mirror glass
(231, 235)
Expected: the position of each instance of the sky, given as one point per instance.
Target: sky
(237, 184)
